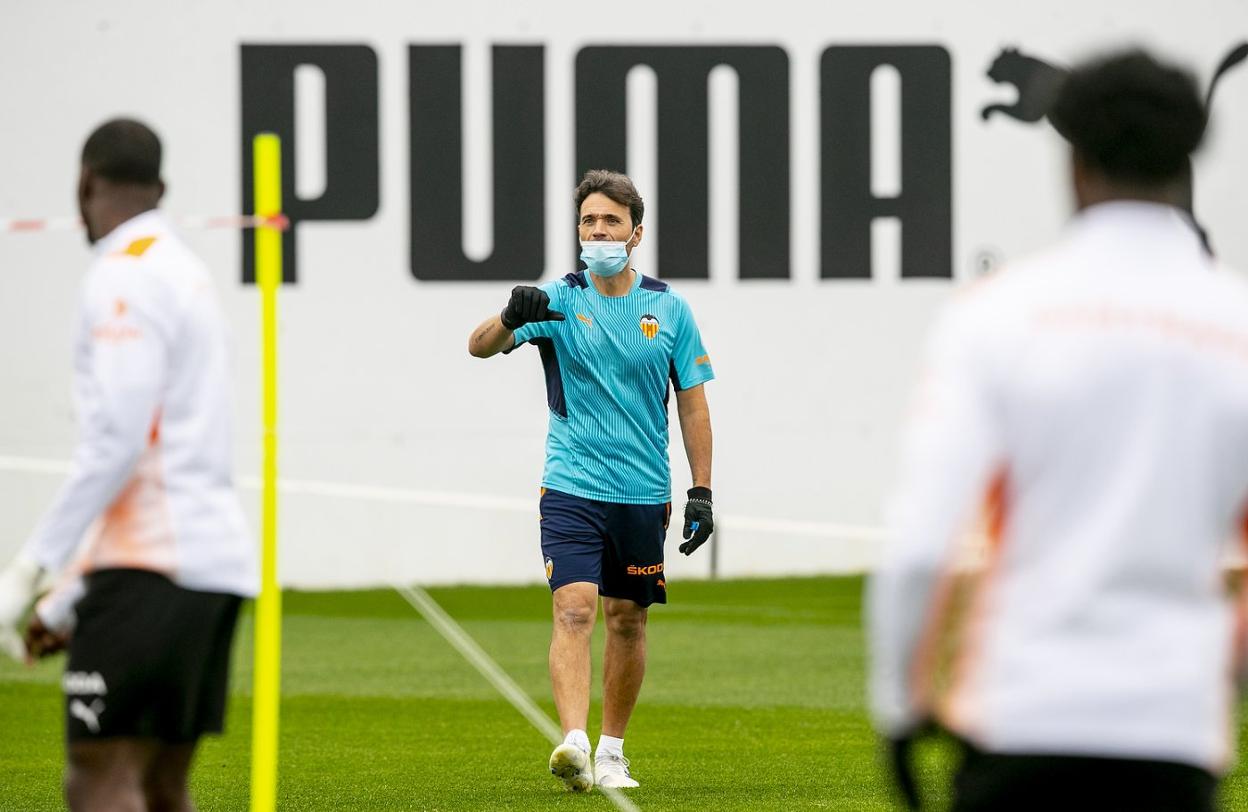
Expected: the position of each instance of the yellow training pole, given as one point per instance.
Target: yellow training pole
(268, 628)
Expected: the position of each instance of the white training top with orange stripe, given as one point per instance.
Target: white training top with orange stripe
(1100, 393)
(151, 486)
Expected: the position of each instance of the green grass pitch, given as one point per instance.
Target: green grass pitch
(754, 700)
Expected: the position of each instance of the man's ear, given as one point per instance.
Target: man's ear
(85, 185)
(1079, 180)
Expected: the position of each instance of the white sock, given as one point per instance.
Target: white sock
(610, 745)
(579, 738)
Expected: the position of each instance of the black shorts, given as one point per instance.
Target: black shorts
(618, 547)
(995, 781)
(147, 659)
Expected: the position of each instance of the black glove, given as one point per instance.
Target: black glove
(528, 304)
(699, 519)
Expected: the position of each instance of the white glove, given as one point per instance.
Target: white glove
(18, 584)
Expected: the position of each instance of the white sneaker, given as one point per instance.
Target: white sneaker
(611, 770)
(570, 764)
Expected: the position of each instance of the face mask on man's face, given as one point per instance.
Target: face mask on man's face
(604, 257)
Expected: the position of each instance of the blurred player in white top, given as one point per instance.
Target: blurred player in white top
(1095, 400)
(147, 533)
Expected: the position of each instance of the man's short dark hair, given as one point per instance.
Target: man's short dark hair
(124, 151)
(615, 185)
(1131, 117)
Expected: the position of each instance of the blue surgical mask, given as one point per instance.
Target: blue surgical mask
(604, 257)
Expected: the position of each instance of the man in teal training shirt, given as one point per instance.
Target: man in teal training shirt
(613, 344)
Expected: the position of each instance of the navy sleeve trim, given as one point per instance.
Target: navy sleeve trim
(656, 285)
(674, 376)
(554, 377)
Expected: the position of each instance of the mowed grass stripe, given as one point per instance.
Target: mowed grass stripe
(754, 701)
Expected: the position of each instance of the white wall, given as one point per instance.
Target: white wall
(377, 388)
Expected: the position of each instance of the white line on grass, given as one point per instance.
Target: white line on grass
(459, 639)
(454, 499)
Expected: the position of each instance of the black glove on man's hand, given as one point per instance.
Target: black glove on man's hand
(699, 519)
(528, 304)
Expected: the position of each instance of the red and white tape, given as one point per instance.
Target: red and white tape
(15, 225)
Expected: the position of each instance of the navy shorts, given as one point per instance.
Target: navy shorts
(618, 547)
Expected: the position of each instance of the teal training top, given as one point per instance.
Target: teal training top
(608, 369)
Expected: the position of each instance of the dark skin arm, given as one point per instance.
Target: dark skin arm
(41, 642)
